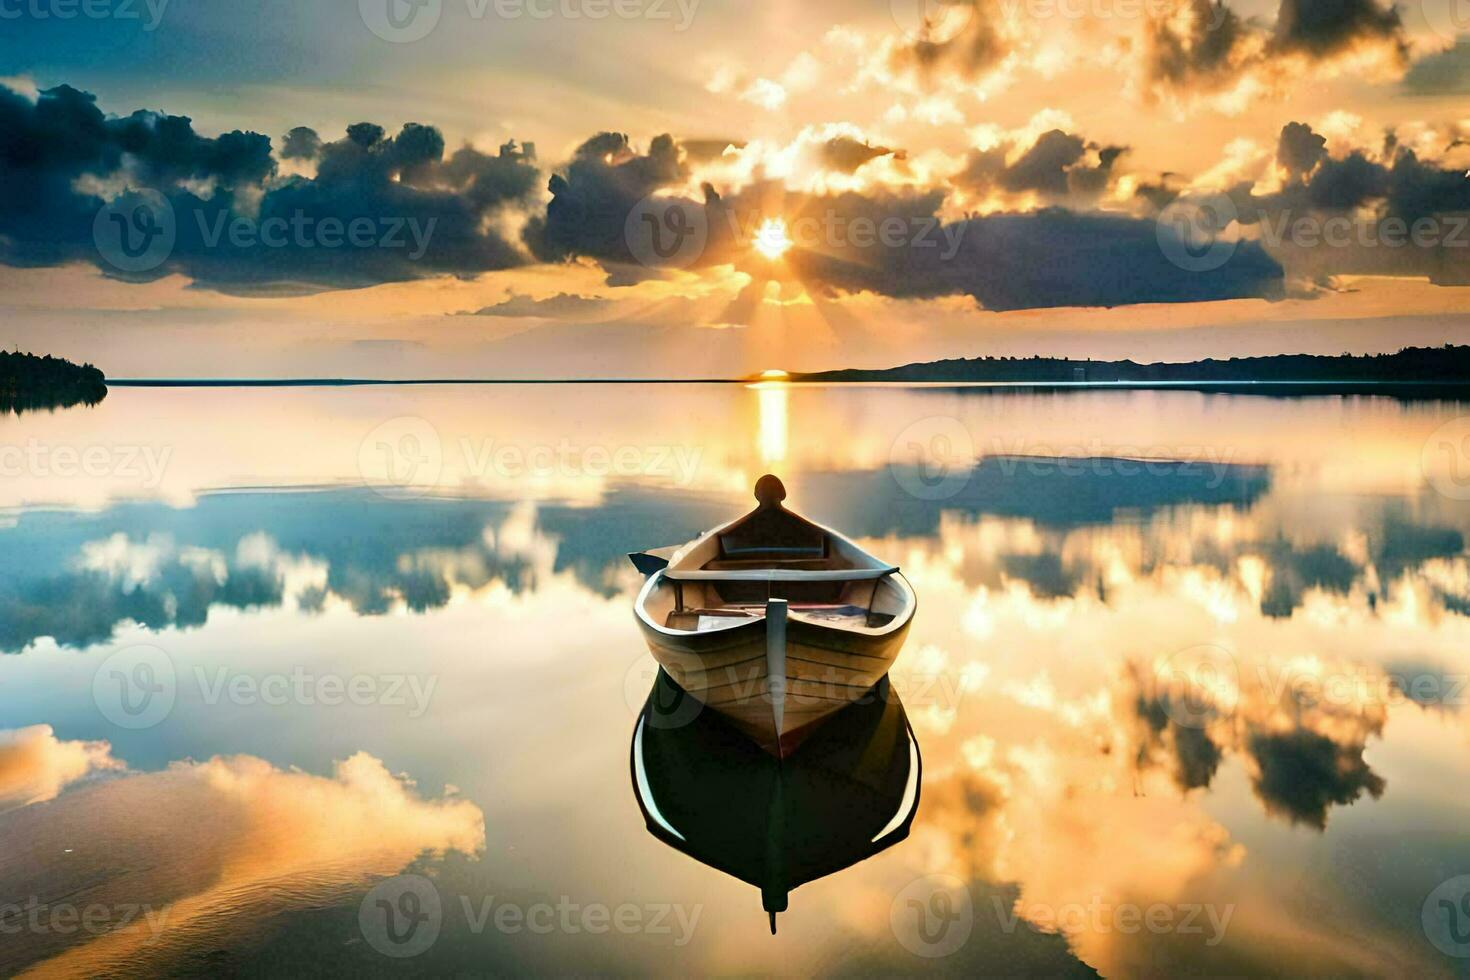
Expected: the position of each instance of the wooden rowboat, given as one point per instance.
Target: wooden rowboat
(772, 620)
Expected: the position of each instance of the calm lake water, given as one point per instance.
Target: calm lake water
(305, 680)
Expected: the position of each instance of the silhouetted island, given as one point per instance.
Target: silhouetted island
(1421, 370)
(28, 383)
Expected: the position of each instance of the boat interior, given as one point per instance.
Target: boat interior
(726, 577)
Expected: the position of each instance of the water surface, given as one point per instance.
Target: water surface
(1187, 676)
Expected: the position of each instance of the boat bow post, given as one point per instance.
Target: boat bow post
(776, 665)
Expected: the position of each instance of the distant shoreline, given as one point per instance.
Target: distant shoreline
(1415, 372)
(1280, 388)
(359, 382)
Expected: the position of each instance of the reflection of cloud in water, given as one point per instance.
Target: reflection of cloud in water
(35, 765)
(1301, 734)
(226, 846)
(1067, 775)
(74, 577)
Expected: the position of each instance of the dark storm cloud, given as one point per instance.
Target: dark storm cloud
(591, 200)
(424, 214)
(1047, 258)
(1203, 50)
(1214, 46)
(1398, 214)
(1322, 28)
(1044, 166)
(1299, 149)
(1057, 165)
(845, 154)
(301, 143)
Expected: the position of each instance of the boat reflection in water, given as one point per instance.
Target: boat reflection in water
(848, 792)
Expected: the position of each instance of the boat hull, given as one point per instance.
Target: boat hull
(776, 697)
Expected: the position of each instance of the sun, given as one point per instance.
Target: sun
(771, 239)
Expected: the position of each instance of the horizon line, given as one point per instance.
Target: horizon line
(794, 381)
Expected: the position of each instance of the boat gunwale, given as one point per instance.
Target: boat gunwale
(898, 622)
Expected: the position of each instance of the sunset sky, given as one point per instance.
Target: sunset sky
(849, 184)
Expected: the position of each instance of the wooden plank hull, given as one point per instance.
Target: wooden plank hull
(825, 669)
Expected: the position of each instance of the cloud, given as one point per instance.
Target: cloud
(1299, 149)
(1324, 28)
(301, 143)
(63, 159)
(228, 844)
(1047, 258)
(1391, 212)
(845, 154)
(35, 765)
(562, 306)
(1201, 45)
(1057, 165)
(962, 39)
(592, 198)
(1207, 50)
(1444, 72)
